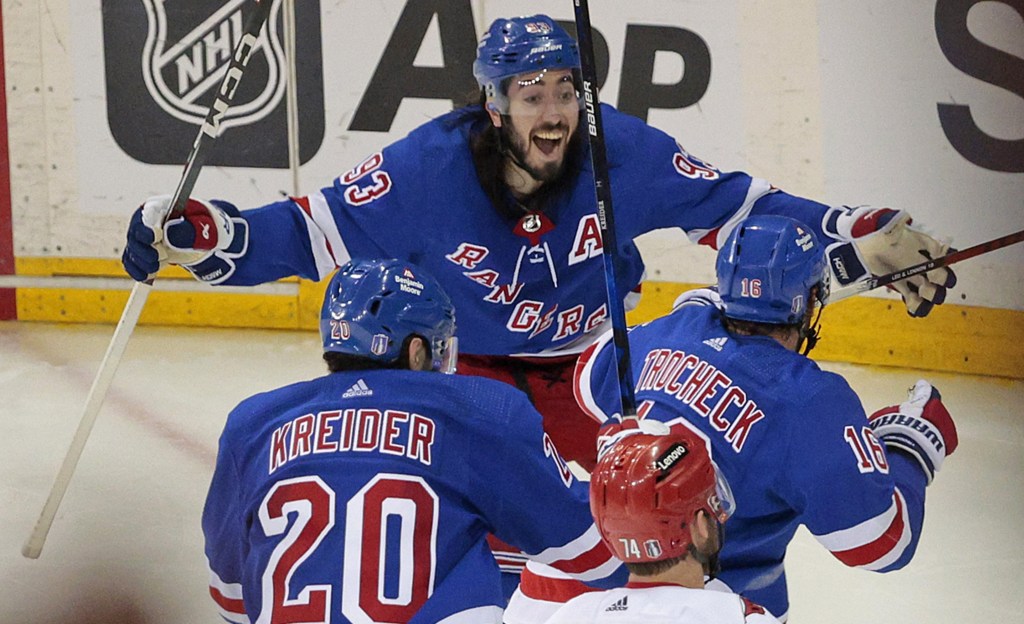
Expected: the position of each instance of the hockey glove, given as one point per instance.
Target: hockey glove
(205, 239)
(920, 426)
(881, 241)
(609, 436)
(699, 296)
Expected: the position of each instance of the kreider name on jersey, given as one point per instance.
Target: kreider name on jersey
(393, 432)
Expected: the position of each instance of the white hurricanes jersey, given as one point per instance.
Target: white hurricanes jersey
(661, 604)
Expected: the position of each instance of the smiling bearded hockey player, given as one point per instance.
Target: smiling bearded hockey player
(517, 244)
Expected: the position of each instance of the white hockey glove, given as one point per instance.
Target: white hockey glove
(611, 435)
(205, 239)
(920, 426)
(699, 296)
(882, 241)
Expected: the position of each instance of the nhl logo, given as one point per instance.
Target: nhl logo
(531, 223)
(164, 65)
(177, 72)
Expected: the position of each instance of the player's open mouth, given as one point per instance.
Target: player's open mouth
(547, 141)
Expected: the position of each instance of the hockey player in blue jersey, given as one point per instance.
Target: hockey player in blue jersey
(792, 439)
(517, 244)
(366, 495)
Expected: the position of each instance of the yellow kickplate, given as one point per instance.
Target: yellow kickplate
(861, 330)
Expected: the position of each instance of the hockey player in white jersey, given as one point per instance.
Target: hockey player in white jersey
(660, 504)
(367, 495)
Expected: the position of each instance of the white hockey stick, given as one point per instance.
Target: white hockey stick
(140, 291)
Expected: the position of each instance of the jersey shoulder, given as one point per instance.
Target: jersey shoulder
(631, 139)
(258, 408)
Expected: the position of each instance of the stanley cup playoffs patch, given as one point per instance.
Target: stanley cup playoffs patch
(164, 62)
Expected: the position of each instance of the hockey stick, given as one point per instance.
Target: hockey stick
(605, 214)
(884, 280)
(140, 291)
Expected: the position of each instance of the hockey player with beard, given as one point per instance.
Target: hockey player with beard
(496, 200)
(660, 505)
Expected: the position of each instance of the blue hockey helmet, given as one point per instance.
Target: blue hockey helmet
(767, 268)
(371, 306)
(520, 45)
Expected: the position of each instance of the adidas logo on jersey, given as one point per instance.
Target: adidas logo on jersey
(619, 605)
(716, 343)
(358, 389)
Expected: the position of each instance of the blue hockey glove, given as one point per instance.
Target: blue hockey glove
(205, 239)
(920, 426)
(878, 241)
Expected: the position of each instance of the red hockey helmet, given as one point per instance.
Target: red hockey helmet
(645, 491)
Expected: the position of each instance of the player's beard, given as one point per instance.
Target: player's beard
(708, 554)
(517, 148)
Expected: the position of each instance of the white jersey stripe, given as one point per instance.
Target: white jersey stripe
(758, 189)
(329, 250)
(901, 545)
(868, 532)
(582, 544)
(860, 534)
(582, 383)
(231, 593)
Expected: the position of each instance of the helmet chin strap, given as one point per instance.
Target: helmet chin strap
(810, 333)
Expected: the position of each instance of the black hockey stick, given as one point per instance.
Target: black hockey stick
(951, 258)
(605, 214)
(140, 291)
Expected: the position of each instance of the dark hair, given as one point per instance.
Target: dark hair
(650, 568)
(808, 330)
(754, 328)
(340, 362)
(489, 146)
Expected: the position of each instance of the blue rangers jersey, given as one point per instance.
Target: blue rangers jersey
(367, 497)
(518, 291)
(792, 440)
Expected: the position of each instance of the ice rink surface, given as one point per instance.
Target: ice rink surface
(126, 545)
